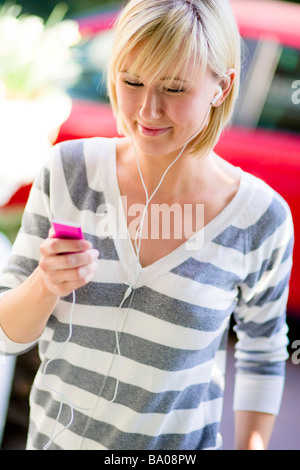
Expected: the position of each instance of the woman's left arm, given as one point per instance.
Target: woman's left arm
(253, 430)
(261, 349)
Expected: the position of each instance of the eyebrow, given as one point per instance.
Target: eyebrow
(129, 73)
(177, 79)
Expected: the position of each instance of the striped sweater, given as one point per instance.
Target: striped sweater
(168, 375)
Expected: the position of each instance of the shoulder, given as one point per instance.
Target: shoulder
(90, 149)
(267, 216)
(259, 220)
(80, 159)
(75, 173)
(264, 201)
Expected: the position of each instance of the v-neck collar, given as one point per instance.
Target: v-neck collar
(135, 273)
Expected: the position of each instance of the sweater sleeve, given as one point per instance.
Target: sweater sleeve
(261, 349)
(25, 254)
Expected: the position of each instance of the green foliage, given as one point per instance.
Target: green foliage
(35, 54)
(43, 8)
(75, 7)
(10, 221)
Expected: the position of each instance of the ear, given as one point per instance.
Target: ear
(226, 84)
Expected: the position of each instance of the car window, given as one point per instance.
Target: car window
(269, 72)
(92, 55)
(280, 112)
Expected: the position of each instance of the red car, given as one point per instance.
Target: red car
(265, 136)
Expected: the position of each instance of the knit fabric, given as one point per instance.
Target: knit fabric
(172, 327)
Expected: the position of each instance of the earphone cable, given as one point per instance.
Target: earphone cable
(128, 292)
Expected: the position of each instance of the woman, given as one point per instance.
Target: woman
(176, 241)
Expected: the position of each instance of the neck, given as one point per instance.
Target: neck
(172, 175)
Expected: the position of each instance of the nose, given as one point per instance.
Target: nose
(151, 106)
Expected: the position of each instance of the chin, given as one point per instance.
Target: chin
(157, 146)
(154, 148)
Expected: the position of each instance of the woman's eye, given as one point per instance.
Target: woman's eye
(174, 90)
(168, 90)
(134, 84)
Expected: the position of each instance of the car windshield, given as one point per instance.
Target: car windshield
(93, 56)
(269, 71)
(266, 99)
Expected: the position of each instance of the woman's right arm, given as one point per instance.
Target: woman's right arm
(65, 265)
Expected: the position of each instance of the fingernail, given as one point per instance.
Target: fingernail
(85, 245)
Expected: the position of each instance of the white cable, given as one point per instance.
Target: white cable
(138, 239)
(67, 399)
(138, 235)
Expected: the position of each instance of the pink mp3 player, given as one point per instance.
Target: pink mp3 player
(67, 230)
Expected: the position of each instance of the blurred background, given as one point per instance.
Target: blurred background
(53, 58)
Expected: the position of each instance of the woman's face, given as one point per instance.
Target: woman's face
(162, 119)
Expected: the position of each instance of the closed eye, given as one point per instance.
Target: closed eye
(174, 90)
(168, 90)
(134, 84)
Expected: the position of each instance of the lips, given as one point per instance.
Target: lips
(152, 131)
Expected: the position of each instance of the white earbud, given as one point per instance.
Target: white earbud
(218, 95)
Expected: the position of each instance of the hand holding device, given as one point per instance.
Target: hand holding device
(68, 261)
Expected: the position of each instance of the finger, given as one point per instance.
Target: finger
(68, 261)
(59, 246)
(51, 233)
(67, 287)
(78, 275)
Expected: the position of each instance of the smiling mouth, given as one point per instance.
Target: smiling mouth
(152, 131)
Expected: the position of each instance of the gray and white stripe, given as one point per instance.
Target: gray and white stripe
(172, 329)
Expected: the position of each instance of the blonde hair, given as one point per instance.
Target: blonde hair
(172, 32)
